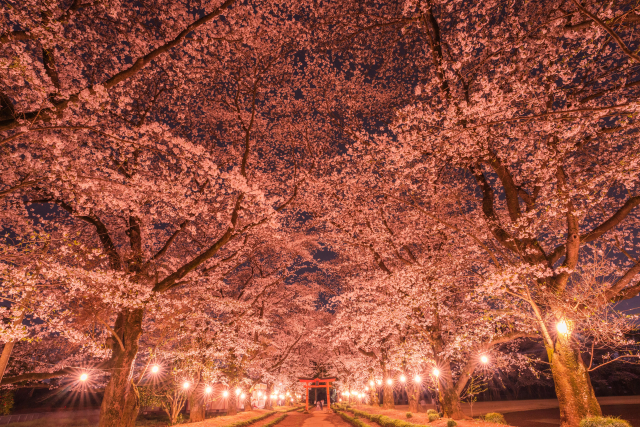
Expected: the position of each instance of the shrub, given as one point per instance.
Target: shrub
(433, 417)
(604, 422)
(353, 421)
(495, 417)
(451, 423)
(6, 402)
(409, 415)
(276, 421)
(431, 411)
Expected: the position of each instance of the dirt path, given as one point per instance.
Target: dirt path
(325, 418)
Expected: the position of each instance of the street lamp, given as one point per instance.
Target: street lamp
(389, 381)
(84, 377)
(562, 327)
(403, 378)
(484, 359)
(155, 369)
(207, 390)
(186, 385)
(225, 393)
(238, 391)
(417, 379)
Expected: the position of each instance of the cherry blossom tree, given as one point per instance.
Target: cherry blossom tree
(519, 119)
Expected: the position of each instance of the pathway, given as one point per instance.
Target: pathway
(324, 418)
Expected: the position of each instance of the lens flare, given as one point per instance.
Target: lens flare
(84, 377)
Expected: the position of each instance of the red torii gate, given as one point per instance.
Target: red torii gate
(311, 383)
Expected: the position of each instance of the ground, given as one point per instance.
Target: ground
(521, 413)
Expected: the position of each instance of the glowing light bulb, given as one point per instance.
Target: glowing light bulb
(371, 383)
(484, 359)
(379, 382)
(84, 377)
(155, 369)
(186, 385)
(417, 379)
(366, 389)
(389, 381)
(562, 327)
(259, 394)
(436, 372)
(207, 390)
(403, 378)
(287, 393)
(281, 396)
(238, 391)
(225, 393)
(242, 396)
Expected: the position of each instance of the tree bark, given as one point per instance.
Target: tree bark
(575, 393)
(450, 400)
(196, 405)
(8, 347)
(247, 401)
(267, 398)
(387, 398)
(373, 392)
(121, 402)
(232, 402)
(413, 391)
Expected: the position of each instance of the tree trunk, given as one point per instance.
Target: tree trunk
(373, 392)
(232, 402)
(121, 402)
(267, 398)
(196, 405)
(413, 391)
(450, 401)
(387, 397)
(4, 358)
(8, 347)
(575, 393)
(247, 401)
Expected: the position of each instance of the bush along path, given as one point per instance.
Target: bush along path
(382, 420)
(391, 418)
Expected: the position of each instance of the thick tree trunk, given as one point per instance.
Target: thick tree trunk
(196, 405)
(121, 402)
(232, 402)
(247, 401)
(575, 393)
(450, 402)
(413, 393)
(373, 392)
(387, 398)
(268, 401)
(4, 358)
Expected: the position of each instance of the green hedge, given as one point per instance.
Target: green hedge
(353, 421)
(604, 422)
(297, 408)
(251, 420)
(383, 420)
(495, 417)
(276, 421)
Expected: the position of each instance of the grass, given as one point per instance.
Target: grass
(604, 422)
